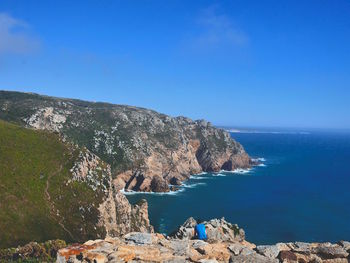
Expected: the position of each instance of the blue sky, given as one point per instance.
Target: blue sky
(240, 63)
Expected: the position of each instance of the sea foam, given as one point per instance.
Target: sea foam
(238, 171)
(131, 192)
(219, 174)
(259, 159)
(184, 185)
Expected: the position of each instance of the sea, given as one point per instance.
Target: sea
(299, 192)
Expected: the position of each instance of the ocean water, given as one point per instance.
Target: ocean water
(301, 193)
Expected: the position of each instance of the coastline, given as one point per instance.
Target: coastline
(255, 162)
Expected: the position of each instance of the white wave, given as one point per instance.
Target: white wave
(198, 177)
(233, 130)
(241, 171)
(131, 192)
(202, 176)
(238, 171)
(184, 185)
(262, 165)
(219, 174)
(201, 173)
(259, 159)
(267, 131)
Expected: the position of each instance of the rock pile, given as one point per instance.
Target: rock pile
(225, 243)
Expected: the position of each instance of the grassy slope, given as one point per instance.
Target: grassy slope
(28, 159)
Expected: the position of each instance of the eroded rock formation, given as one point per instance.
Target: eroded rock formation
(116, 215)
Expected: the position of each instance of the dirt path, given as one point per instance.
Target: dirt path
(53, 211)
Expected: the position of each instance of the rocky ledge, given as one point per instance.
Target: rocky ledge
(226, 243)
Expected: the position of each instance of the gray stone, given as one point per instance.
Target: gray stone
(330, 251)
(268, 251)
(208, 261)
(247, 251)
(301, 247)
(221, 230)
(139, 238)
(180, 247)
(252, 258)
(288, 256)
(345, 245)
(176, 260)
(113, 258)
(198, 243)
(236, 248)
(185, 231)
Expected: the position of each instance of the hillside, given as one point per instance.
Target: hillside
(51, 189)
(146, 150)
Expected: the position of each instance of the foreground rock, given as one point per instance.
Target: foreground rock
(225, 244)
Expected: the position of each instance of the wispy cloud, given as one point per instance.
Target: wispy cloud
(15, 36)
(216, 28)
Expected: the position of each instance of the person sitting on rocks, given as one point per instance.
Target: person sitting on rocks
(200, 231)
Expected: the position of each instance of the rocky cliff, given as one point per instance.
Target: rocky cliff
(226, 243)
(146, 150)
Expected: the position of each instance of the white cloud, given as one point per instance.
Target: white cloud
(15, 36)
(216, 29)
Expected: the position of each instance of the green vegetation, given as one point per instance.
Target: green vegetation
(36, 203)
(33, 252)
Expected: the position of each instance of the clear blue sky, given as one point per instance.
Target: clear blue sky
(241, 63)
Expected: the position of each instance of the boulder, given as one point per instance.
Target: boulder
(217, 229)
(221, 230)
(287, 256)
(236, 249)
(301, 247)
(345, 245)
(330, 251)
(272, 251)
(252, 258)
(158, 184)
(179, 247)
(185, 231)
(139, 238)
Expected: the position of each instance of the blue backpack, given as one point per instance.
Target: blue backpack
(200, 232)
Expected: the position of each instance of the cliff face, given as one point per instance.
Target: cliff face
(146, 150)
(52, 189)
(116, 216)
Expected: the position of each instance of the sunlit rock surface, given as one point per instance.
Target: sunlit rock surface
(225, 243)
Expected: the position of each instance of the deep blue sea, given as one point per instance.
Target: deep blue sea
(301, 194)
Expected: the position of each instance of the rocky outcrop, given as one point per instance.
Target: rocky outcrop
(147, 151)
(225, 244)
(217, 229)
(116, 215)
